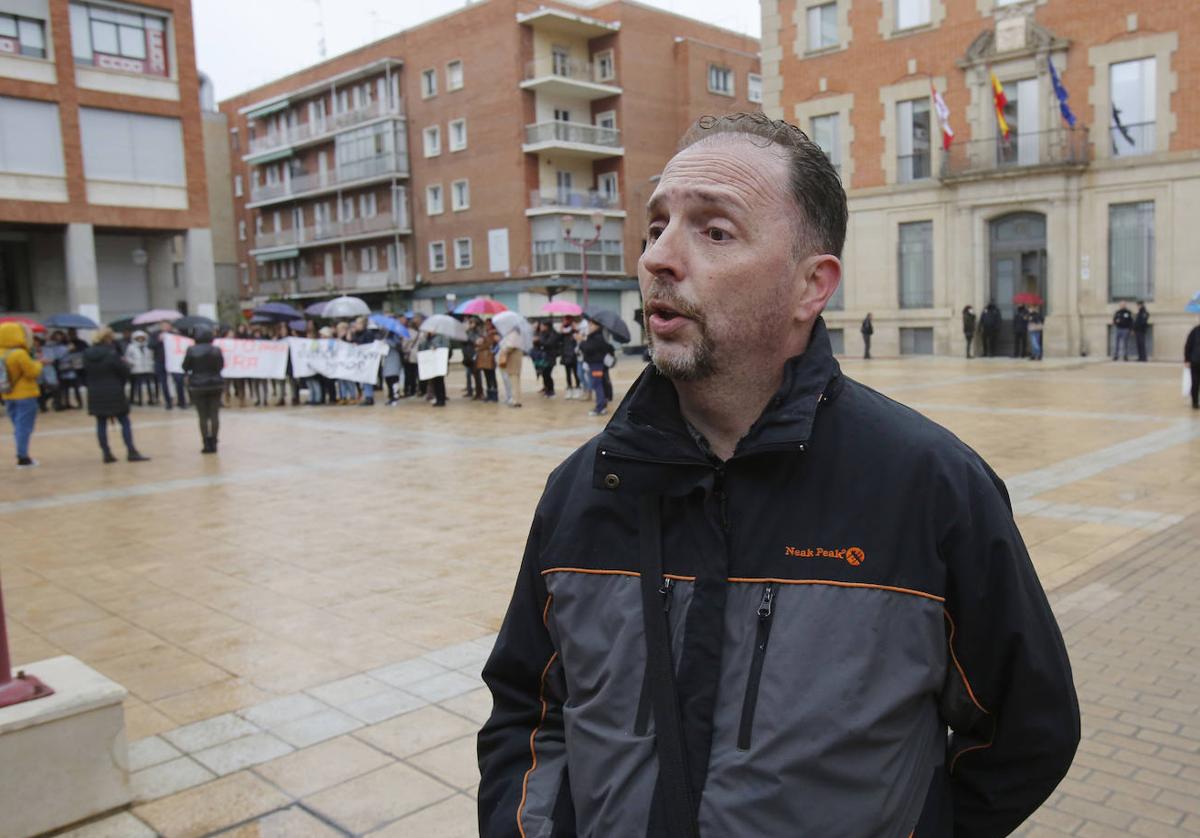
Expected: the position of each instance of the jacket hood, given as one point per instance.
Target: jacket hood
(204, 336)
(649, 425)
(139, 334)
(12, 336)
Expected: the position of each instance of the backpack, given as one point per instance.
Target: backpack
(6, 385)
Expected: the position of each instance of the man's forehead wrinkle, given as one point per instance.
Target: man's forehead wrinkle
(729, 175)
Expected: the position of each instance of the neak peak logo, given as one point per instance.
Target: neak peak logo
(853, 556)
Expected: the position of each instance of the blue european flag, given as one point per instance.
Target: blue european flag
(1061, 93)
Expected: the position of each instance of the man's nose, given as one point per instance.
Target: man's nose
(664, 257)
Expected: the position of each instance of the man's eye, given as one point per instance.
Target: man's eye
(717, 234)
(654, 232)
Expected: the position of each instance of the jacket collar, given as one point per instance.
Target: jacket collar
(649, 425)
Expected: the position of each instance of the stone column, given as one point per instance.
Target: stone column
(199, 274)
(83, 283)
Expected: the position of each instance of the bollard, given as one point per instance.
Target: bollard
(23, 687)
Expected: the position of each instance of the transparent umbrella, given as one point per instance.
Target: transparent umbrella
(345, 307)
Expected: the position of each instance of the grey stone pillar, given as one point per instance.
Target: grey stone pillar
(83, 282)
(199, 274)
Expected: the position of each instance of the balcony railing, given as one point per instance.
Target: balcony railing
(304, 131)
(352, 281)
(383, 223)
(570, 199)
(387, 164)
(910, 167)
(1059, 147)
(563, 68)
(572, 132)
(1129, 140)
(279, 238)
(553, 257)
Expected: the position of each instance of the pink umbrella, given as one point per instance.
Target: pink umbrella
(156, 316)
(562, 307)
(481, 305)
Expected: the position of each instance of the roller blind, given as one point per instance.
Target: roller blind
(132, 147)
(30, 139)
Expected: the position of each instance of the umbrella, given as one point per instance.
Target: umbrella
(1028, 298)
(195, 321)
(155, 315)
(611, 321)
(562, 307)
(32, 325)
(1193, 305)
(69, 320)
(345, 307)
(316, 309)
(506, 321)
(277, 312)
(122, 324)
(298, 325)
(390, 323)
(444, 324)
(481, 305)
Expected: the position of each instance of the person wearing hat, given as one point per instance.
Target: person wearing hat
(202, 364)
(107, 374)
(20, 395)
(140, 357)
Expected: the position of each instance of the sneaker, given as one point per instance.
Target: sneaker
(597, 412)
(26, 462)
(392, 402)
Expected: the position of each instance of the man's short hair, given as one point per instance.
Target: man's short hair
(814, 182)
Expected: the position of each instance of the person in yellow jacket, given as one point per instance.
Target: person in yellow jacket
(21, 395)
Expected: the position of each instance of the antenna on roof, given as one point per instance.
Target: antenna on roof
(320, 29)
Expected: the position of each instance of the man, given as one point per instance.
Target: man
(990, 326)
(968, 324)
(1123, 322)
(867, 328)
(1141, 325)
(755, 603)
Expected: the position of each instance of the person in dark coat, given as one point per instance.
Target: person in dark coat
(1191, 357)
(1141, 325)
(548, 343)
(202, 365)
(867, 329)
(1123, 324)
(107, 375)
(989, 325)
(1020, 328)
(595, 351)
(968, 315)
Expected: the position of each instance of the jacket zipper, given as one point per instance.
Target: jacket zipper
(642, 720)
(766, 608)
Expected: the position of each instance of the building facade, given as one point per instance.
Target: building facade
(103, 200)
(1083, 216)
(445, 161)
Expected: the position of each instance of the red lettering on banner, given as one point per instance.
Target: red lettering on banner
(117, 62)
(157, 52)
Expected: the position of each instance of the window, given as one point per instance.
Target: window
(22, 36)
(258, 225)
(607, 119)
(1021, 114)
(131, 147)
(754, 87)
(1131, 251)
(367, 206)
(30, 137)
(562, 115)
(116, 39)
(910, 13)
(607, 187)
(916, 264)
(560, 58)
(433, 199)
(460, 195)
(235, 139)
(432, 137)
(368, 151)
(913, 149)
(822, 27)
(720, 80)
(1132, 90)
(428, 83)
(454, 75)
(458, 134)
(241, 231)
(368, 259)
(462, 253)
(237, 186)
(606, 68)
(825, 134)
(437, 256)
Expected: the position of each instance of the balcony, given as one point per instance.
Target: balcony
(570, 201)
(561, 77)
(313, 285)
(573, 139)
(307, 133)
(346, 174)
(1060, 148)
(332, 232)
(551, 257)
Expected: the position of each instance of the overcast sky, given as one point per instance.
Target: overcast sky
(241, 44)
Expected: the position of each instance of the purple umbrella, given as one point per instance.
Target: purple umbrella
(278, 311)
(316, 309)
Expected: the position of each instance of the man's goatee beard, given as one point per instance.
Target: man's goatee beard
(696, 365)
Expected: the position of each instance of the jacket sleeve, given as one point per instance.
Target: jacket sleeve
(30, 368)
(1009, 697)
(523, 788)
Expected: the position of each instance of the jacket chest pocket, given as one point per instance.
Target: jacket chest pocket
(762, 635)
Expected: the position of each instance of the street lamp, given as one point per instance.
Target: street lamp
(597, 219)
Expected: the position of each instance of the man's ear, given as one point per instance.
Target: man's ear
(822, 274)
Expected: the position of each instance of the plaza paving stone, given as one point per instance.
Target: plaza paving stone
(301, 620)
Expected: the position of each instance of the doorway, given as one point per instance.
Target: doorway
(1017, 261)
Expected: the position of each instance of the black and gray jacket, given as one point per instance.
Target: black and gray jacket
(860, 644)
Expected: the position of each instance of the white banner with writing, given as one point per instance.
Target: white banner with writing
(433, 363)
(337, 359)
(243, 358)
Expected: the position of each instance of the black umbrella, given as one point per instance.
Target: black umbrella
(611, 321)
(69, 320)
(124, 324)
(194, 321)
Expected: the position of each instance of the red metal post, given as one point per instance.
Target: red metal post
(23, 687)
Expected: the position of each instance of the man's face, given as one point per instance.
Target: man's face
(719, 279)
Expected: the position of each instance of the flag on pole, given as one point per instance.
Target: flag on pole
(943, 112)
(1061, 93)
(1000, 101)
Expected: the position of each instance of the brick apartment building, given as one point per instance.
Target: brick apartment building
(1085, 217)
(439, 163)
(103, 201)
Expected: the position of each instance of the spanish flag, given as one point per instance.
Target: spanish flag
(1001, 100)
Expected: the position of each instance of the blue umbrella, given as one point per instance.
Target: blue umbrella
(278, 311)
(316, 309)
(390, 323)
(1193, 305)
(69, 320)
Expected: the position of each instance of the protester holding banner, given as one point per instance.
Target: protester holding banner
(203, 364)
